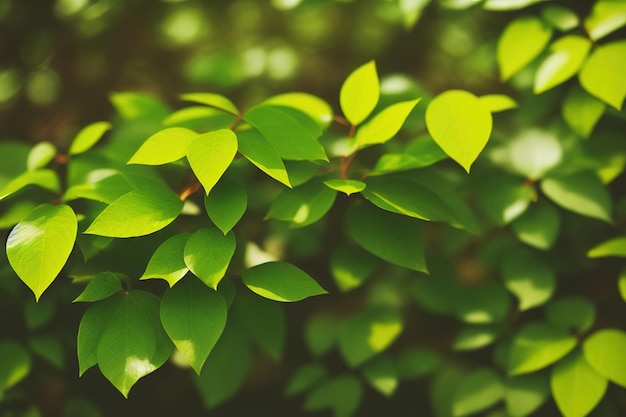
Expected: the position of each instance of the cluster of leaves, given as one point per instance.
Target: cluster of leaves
(373, 197)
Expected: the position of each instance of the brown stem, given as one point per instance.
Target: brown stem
(236, 122)
(341, 120)
(184, 195)
(61, 158)
(344, 165)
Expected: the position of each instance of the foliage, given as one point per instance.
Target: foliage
(460, 240)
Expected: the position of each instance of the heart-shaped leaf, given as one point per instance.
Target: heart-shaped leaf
(210, 155)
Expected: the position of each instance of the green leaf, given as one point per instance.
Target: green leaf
(227, 367)
(526, 393)
(132, 345)
(347, 187)
(604, 351)
(498, 102)
(367, 333)
(280, 281)
(504, 197)
(381, 374)
(407, 198)
(264, 321)
(567, 55)
(137, 213)
(521, 42)
(168, 261)
(214, 100)
(560, 17)
(420, 153)
(606, 17)
(392, 237)
(485, 303)
(50, 349)
(534, 153)
(15, 364)
(40, 155)
(139, 106)
(226, 204)
(210, 155)
(39, 314)
(572, 312)
(305, 378)
(416, 362)
(611, 247)
(538, 345)
(508, 4)
(576, 387)
(621, 284)
(194, 317)
(412, 9)
(303, 205)
(351, 266)
(476, 336)
(263, 155)
(88, 137)
(102, 286)
(582, 193)
(38, 246)
(104, 185)
(313, 106)
(460, 124)
(360, 93)
(44, 178)
(199, 119)
(167, 145)
(477, 391)
(292, 133)
(538, 226)
(529, 279)
(92, 326)
(342, 394)
(582, 111)
(320, 333)
(384, 125)
(208, 253)
(602, 74)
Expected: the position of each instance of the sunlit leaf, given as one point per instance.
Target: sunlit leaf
(88, 137)
(384, 125)
(576, 387)
(194, 317)
(210, 155)
(538, 345)
(392, 237)
(303, 205)
(263, 155)
(214, 100)
(567, 55)
(476, 336)
(498, 102)
(606, 16)
(102, 286)
(611, 247)
(347, 187)
(368, 332)
(139, 106)
(226, 204)
(504, 198)
(137, 213)
(486, 303)
(167, 145)
(292, 133)
(15, 364)
(477, 391)
(521, 42)
(526, 393)
(168, 261)
(509, 4)
(104, 185)
(534, 153)
(351, 266)
(280, 281)
(360, 93)
(208, 253)
(621, 285)
(538, 226)
(529, 279)
(582, 193)
(40, 155)
(44, 178)
(560, 17)
(602, 74)
(313, 106)
(604, 351)
(38, 246)
(381, 374)
(420, 153)
(582, 111)
(460, 124)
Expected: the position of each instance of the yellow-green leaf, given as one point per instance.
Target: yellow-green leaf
(603, 73)
(88, 137)
(214, 100)
(280, 281)
(346, 186)
(167, 145)
(582, 111)
(384, 125)
(566, 57)
(522, 41)
(210, 155)
(604, 350)
(498, 102)
(360, 93)
(606, 16)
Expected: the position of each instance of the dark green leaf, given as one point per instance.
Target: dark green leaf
(420, 153)
(477, 391)
(484, 303)
(351, 266)
(280, 281)
(168, 261)
(263, 155)
(50, 349)
(208, 253)
(529, 279)
(15, 364)
(302, 205)
(304, 378)
(102, 286)
(320, 333)
(504, 198)
(194, 317)
(572, 312)
(381, 374)
(38, 246)
(392, 237)
(342, 394)
(416, 362)
(525, 393)
(538, 226)
(226, 204)
(476, 336)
